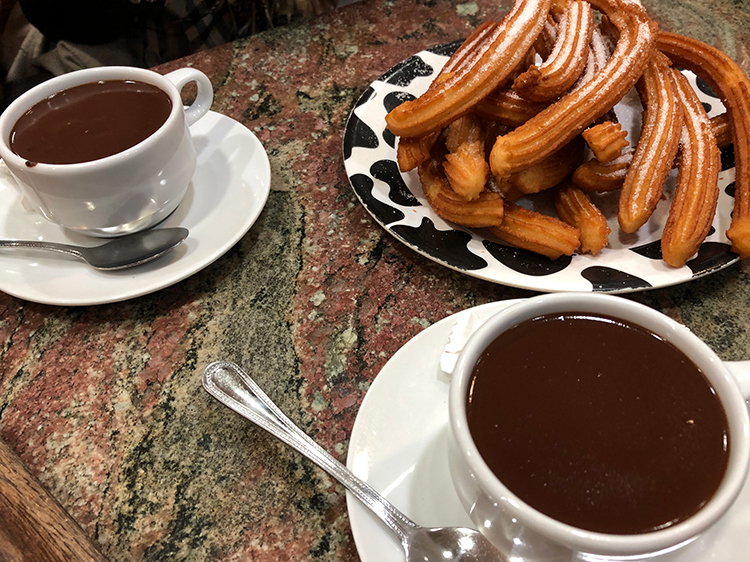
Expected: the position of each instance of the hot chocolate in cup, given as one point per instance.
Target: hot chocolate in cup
(104, 151)
(591, 427)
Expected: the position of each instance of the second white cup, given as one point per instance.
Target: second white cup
(519, 529)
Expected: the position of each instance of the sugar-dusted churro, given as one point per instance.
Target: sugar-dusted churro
(550, 171)
(598, 177)
(566, 62)
(466, 164)
(606, 140)
(556, 125)
(536, 232)
(721, 125)
(527, 61)
(657, 145)
(508, 192)
(486, 210)
(507, 107)
(412, 151)
(596, 60)
(696, 194)
(731, 83)
(576, 208)
(467, 50)
(491, 62)
(545, 43)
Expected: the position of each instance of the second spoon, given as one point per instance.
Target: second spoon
(118, 253)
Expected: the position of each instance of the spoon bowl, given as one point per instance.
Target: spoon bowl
(235, 389)
(118, 253)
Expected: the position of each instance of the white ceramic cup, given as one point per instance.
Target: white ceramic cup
(521, 531)
(123, 193)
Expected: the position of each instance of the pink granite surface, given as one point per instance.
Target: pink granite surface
(104, 404)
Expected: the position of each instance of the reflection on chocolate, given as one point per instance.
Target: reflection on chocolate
(598, 423)
(89, 122)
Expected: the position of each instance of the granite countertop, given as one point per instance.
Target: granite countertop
(104, 403)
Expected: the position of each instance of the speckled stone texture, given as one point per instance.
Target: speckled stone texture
(104, 404)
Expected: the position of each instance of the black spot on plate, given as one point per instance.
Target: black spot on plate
(729, 189)
(711, 256)
(358, 134)
(652, 250)
(405, 72)
(607, 279)
(449, 246)
(704, 87)
(727, 157)
(363, 185)
(389, 138)
(446, 49)
(387, 171)
(707, 107)
(524, 261)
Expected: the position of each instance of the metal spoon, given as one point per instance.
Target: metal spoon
(117, 253)
(232, 387)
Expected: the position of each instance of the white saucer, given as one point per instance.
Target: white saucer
(229, 190)
(399, 446)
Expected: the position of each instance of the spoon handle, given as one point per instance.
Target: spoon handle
(54, 246)
(226, 382)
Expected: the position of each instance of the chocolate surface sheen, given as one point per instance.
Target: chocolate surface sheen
(598, 423)
(90, 121)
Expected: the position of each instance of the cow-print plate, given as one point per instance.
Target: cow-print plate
(631, 262)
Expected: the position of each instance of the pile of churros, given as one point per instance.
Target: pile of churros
(526, 105)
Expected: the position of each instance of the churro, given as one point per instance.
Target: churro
(606, 140)
(576, 208)
(731, 83)
(412, 151)
(566, 62)
(696, 194)
(597, 177)
(492, 61)
(556, 125)
(527, 61)
(545, 43)
(550, 171)
(507, 107)
(466, 51)
(721, 126)
(485, 210)
(508, 192)
(657, 145)
(466, 164)
(536, 232)
(596, 60)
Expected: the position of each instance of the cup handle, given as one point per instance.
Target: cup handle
(740, 370)
(205, 96)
